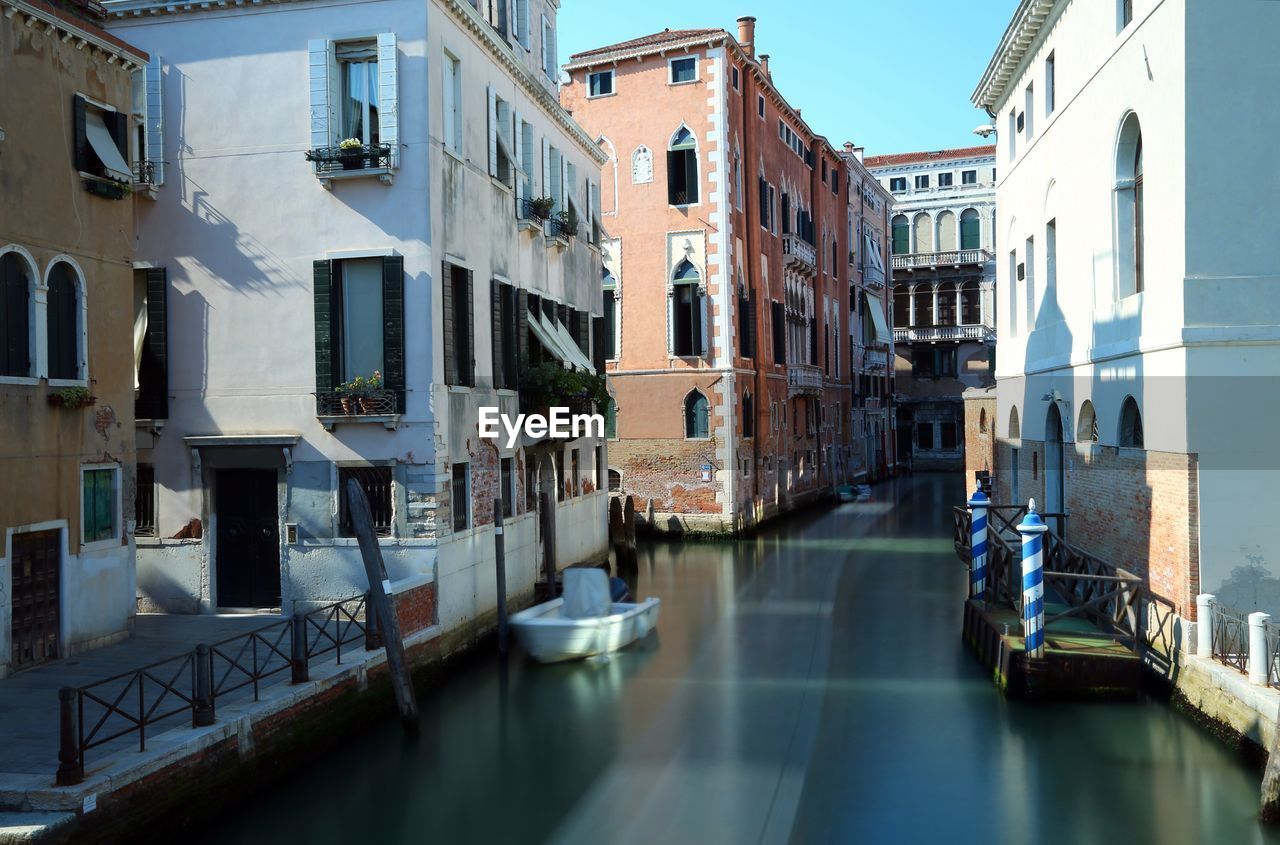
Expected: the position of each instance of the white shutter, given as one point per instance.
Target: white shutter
(320, 64)
(545, 188)
(705, 314)
(563, 189)
(521, 164)
(153, 92)
(545, 46)
(389, 95)
(493, 130)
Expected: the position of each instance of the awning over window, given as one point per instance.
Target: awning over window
(104, 146)
(872, 253)
(883, 335)
(557, 340)
(573, 351)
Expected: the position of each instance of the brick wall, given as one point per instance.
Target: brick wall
(669, 473)
(1136, 509)
(979, 435)
(416, 608)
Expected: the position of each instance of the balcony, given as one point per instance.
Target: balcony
(933, 260)
(560, 230)
(875, 359)
(872, 277)
(928, 334)
(352, 162)
(531, 215)
(799, 253)
(803, 379)
(371, 406)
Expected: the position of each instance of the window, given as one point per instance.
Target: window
(734, 74)
(144, 502)
(922, 182)
(459, 346)
(748, 415)
(610, 285)
(944, 180)
(687, 312)
(502, 142)
(375, 483)
(901, 312)
(100, 498)
(947, 304)
(359, 330)
(924, 436)
(1124, 13)
(452, 101)
(1087, 429)
(358, 76)
(901, 235)
(101, 144)
(563, 482)
(63, 323)
(969, 177)
(361, 318)
(504, 303)
(898, 184)
(1131, 425)
(948, 435)
(970, 304)
(778, 325)
(1129, 230)
(682, 169)
(1022, 121)
(460, 493)
(16, 283)
(970, 229)
(697, 413)
(1015, 273)
(746, 323)
(549, 50)
(1015, 126)
(150, 344)
(1049, 85)
(522, 24)
(684, 70)
(923, 230)
(760, 105)
(1029, 97)
(923, 297)
(1051, 263)
(600, 83)
(575, 480)
(615, 481)
(1138, 239)
(611, 420)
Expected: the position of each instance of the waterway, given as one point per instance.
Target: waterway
(806, 686)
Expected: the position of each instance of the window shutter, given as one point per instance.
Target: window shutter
(499, 347)
(155, 384)
(467, 355)
(393, 327)
(15, 326)
(320, 65)
(493, 130)
(448, 330)
(545, 187)
(674, 173)
(751, 327)
(153, 98)
(522, 160)
(702, 342)
(564, 186)
(389, 98)
(599, 332)
(691, 176)
(60, 323)
(522, 333)
(325, 309)
(80, 142)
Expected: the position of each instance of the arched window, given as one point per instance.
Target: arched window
(946, 231)
(1131, 424)
(1087, 427)
(697, 412)
(748, 415)
(970, 229)
(1015, 428)
(923, 227)
(641, 166)
(63, 322)
(1129, 235)
(611, 420)
(901, 307)
(901, 235)
(682, 169)
(687, 312)
(947, 294)
(15, 315)
(923, 297)
(615, 481)
(970, 304)
(982, 420)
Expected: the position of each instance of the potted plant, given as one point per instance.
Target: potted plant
(569, 222)
(72, 398)
(351, 154)
(372, 385)
(549, 383)
(541, 207)
(350, 394)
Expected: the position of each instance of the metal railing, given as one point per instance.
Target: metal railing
(96, 714)
(1231, 637)
(144, 173)
(527, 209)
(953, 257)
(371, 403)
(330, 160)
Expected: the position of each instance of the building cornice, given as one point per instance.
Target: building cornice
(86, 35)
(1014, 45)
(942, 162)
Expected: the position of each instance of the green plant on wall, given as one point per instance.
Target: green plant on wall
(550, 383)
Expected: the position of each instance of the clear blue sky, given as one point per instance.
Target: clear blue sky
(890, 75)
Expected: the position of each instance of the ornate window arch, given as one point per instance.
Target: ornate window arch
(682, 168)
(688, 311)
(18, 275)
(697, 416)
(66, 319)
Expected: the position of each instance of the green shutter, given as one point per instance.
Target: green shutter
(118, 126)
(325, 302)
(522, 333)
(495, 319)
(598, 339)
(80, 135)
(393, 327)
(447, 328)
(154, 381)
(467, 355)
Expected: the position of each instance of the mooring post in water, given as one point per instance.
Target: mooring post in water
(978, 504)
(1259, 654)
(549, 542)
(500, 566)
(1204, 624)
(384, 609)
(1032, 529)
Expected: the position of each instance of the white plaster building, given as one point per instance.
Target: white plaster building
(294, 267)
(1139, 327)
(943, 240)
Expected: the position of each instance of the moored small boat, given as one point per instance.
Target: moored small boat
(549, 636)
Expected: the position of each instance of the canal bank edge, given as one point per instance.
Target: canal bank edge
(179, 782)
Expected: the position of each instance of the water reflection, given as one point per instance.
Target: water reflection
(808, 685)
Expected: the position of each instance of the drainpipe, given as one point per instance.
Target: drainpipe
(751, 210)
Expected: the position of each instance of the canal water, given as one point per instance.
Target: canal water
(808, 686)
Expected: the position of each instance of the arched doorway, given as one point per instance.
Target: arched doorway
(1054, 474)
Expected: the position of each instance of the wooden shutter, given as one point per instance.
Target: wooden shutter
(544, 190)
(467, 355)
(15, 325)
(675, 172)
(155, 377)
(599, 329)
(321, 68)
(691, 176)
(153, 99)
(448, 330)
(393, 377)
(389, 97)
(61, 321)
(492, 123)
(522, 333)
(80, 137)
(326, 302)
(118, 125)
(701, 343)
(496, 296)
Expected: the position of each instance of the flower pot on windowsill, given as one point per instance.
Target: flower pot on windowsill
(349, 404)
(353, 160)
(73, 398)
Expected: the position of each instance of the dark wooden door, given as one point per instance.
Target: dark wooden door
(36, 565)
(248, 537)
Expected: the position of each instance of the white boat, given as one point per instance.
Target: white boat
(583, 622)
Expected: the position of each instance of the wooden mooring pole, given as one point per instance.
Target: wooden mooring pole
(548, 517)
(500, 567)
(384, 608)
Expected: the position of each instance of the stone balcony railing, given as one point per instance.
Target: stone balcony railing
(875, 358)
(799, 253)
(929, 260)
(803, 378)
(927, 334)
(872, 277)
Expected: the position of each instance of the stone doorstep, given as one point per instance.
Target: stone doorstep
(112, 773)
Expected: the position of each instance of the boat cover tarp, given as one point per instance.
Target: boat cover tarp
(586, 593)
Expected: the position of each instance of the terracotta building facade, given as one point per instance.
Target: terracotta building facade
(728, 247)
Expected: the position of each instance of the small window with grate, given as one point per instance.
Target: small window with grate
(461, 492)
(378, 489)
(145, 502)
(508, 487)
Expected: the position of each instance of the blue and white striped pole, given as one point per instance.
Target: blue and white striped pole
(978, 504)
(1032, 529)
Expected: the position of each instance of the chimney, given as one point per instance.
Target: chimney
(856, 152)
(859, 153)
(764, 65)
(747, 35)
(848, 147)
